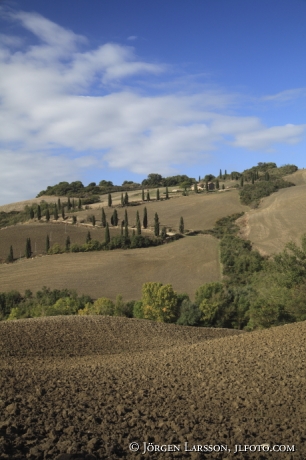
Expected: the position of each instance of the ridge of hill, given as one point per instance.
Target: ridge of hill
(244, 389)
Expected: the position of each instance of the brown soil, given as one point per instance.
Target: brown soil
(186, 264)
(86, 387)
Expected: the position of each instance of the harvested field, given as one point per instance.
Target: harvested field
(87, 387)
(280, 218)
(58, 231)
(298, 178)
(186, 264)
(200, 211)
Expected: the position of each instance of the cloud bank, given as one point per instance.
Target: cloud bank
(66, 107)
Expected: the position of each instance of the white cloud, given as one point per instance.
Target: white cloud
(48, 106)
(287, 95)
(132, 37)
(266, 137)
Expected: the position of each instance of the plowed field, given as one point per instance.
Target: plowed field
(88, 387)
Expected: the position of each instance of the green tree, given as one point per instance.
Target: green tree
(59, 205)
(55, 213)
(148, 196)
(122, 200)
(163, 233)
(157, 195)
(126, 199)
(80, 204)
(142, 195)
(217, 184)
(115, 217)
(109, 200)
(145, 218)
(47, 244)
(126, 219)
(67, 244)
(138, 224)
(47, 215)
(28, 250)
(206, 186)
(73, 204)
(159, 302)
(38, 212)
(93, 219)
(126, 229)
(241, 181)
(31, 213)
(195, 187)
(103, 218)
(181, 226)
(10, 257)
(107, 234)
(74, 219)
(156, 225)
(220, 174)
(122, 226)
(63, 213)
(69, 206)
(88, 237)
(167, 193)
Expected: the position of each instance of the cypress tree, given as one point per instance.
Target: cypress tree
(122, 225)
(142, 194)
(115, 218)
(253, 178)
(167, 193)
(93, 220)
(10, 257)
(126, 219)
(63, 212)
(80, 204)
(38, 212)
(163, 233)
(126, 199)
(181, 227)
(220, 174)
(69, 204)
(59, 205)
(156, 225)
(103, 218)
(122, 200)
(148, 196)
(31, 213)
(74, 219)
(107, 234)
(126, 230)
(195, 187)
(47, 215)
(157, 194)
(47, 244)
(241, 181)
(138, 225)
(67, 246)
(88, 237)
(206, 186)
(73, 204)
(109, 199)
(55, 213)
(28, 250)
(145, 218)
(217, 184)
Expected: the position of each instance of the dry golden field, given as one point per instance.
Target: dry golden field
(280, 218)
(186, 264)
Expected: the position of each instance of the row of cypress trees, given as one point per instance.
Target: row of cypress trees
(125, 198)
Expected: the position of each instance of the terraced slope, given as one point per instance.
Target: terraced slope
(86, 388)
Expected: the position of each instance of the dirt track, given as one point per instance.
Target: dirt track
(91, 385)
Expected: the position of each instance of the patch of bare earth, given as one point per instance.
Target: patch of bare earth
(87, 387)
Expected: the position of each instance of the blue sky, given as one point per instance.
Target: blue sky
(119, 89)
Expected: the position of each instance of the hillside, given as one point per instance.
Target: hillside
(281, 217)
(108, 273)
(93, 385)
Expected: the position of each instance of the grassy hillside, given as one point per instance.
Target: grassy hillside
(186, 264)
(280, 218)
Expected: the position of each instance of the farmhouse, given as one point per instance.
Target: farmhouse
(202, 186)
